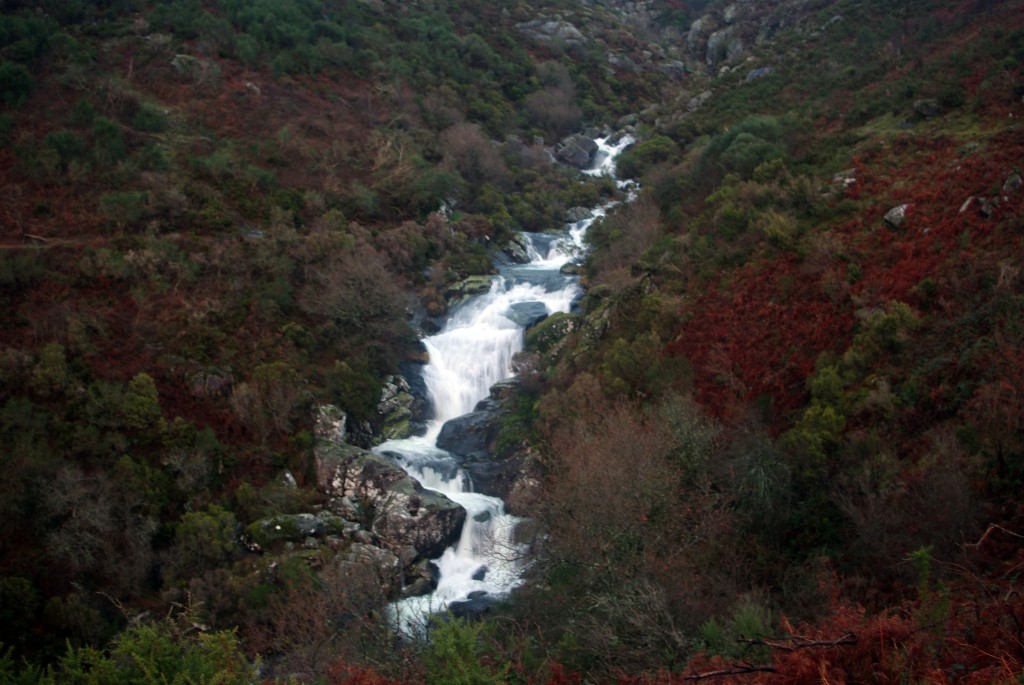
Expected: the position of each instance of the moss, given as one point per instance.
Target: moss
(550, 332)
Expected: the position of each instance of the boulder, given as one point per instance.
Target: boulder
(575, 214)
(697, 101)
(577, 150)
(926, 108)
(547, 336)
(515, 250)
(527, 314)
(1012, 184)
(760, 72)
(571, 269)
(897, 216)
(477, 605)
(395, 507)
(473, 435)
(374, 571)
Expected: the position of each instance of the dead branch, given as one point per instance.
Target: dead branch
(735, 669)
(795, 642)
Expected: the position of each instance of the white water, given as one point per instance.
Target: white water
(472, 352)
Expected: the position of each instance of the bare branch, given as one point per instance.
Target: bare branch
(735, 669)
(795, 642)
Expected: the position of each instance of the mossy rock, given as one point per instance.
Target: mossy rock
(550, 332)
(295, 528)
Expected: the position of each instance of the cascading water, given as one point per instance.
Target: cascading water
(471, 353)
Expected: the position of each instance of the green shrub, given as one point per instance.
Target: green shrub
(16, 83)
(454, 657)
(124, 207)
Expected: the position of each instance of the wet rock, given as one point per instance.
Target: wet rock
(515, 250)
(480, 573)
(473, 608)
(401, 512)
(571, 269)
(577, 150)
(578, 214)
(527, 314)
(473, 435)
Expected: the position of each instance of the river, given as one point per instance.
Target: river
(472, 352)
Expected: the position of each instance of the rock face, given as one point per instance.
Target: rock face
(552, 31)
(392, 506)
(397, 409)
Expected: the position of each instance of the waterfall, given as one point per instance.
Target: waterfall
(472, 352)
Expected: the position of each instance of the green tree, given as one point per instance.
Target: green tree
(202, 541)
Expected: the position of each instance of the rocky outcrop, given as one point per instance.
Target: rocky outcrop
(397, 409)
(554, 31)
(309, 529)
(393, 507)
(473, 285)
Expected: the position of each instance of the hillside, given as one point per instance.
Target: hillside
(780, 440)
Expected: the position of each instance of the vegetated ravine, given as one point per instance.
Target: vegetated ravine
(473, 351)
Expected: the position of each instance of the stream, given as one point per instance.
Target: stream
(472, 352)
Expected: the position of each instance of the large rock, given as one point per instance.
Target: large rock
(473, 435)
(395, 507)
(896, 217)
(297, 528)
(527, 314)
(552, 31)
(577, 150)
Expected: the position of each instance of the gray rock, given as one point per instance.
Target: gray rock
(516, 252)
(527, 314)
(577, 151)
(926, 108)
(623, 62)
(897, 216)
(296, 528)
(696, 102)
(373, 570)
(473, 435)
(575, 214)
(760, 72)
(1013, 183)
(472, 609)
(571, 269)
(402, 513)
(673, 68)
